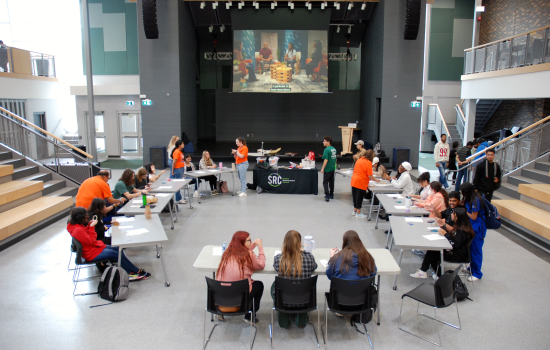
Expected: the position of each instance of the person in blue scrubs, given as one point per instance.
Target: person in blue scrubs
(476, 211)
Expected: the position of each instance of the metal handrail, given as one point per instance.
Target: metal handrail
(461, 112)
(46, 132)
(441, 115)
(506, 39)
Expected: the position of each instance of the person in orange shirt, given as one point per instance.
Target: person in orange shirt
(362, 175)
(97, 187)
(178, 167)
(241, 159)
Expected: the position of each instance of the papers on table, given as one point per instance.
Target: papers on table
(119, 219)
(121, 227)
(199, 172)
(135, 206)
(163, 194)
(434, 237)
(163, 187)
(395, 196)
(413, 219)
(214, 171)
(324, 262)
(433, 228)
(277, 252)
(178, 180)
(139, 231)
(217, 251)
(400, 207)
(379, 185)
(137, 201)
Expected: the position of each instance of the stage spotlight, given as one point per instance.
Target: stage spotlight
(337, 5)
(241, 4)
(256, 5)
(273, 5)
(291, 5)
(214, 5)
(363, 6)
(338, 29)
(202, 5)
(350, 6)
(308, 4)
(228, 5)
(222, 28)
(210, 29)
(349, 30)
(323, 5)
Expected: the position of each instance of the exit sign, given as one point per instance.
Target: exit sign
(146, 102)
(129, 103)
(416, 103)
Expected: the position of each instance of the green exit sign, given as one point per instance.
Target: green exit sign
(416, 103)
(129, 103)
(146, 102)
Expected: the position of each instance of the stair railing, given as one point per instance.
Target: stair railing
(32, 142)
(460, 121)
(516, 150)
(437, 123)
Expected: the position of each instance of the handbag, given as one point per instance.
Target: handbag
(221, 186)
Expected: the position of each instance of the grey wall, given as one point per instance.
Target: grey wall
(284, 117)
(167, 66)
(54, 113)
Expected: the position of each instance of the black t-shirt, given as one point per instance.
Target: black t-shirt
(140, 185)
(188, 168)
(447, 214)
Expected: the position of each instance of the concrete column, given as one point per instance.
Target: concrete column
(470, 115)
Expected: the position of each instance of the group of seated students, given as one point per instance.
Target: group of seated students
(239, 262)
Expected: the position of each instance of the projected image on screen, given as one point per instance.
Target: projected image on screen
(280, 61)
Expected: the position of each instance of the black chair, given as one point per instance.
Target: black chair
(229, 295)
(349, 297)
(295, 297)
(464, 263)
(80, 264)
(73, 250)
(440, 295)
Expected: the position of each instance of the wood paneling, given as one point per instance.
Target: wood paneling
(538, 192)
(525, 215)
(6, 170)
(21, 61)
(14, 190)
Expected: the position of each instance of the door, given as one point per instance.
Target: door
(96, 132)
(130, 134)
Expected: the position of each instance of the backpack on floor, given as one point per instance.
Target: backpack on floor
(460, 288)
(367, 315)
(113, 285)
(492, 217)
(221, 186)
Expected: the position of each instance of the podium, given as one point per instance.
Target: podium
(347, 139)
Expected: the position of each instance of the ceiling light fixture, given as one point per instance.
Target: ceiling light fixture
(291, 5)
(364, 6)
(338, 29)
(349, 30)
(210, 29)
(350, 6)
(222, 28)
(214, 5)
(241, 4)
(228, 5)
(323, 5)
(273, 5)
(256, 5)
(202, 5)
(337, 5)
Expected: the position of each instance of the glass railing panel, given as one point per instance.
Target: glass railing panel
(491, 59)
(518, 51)
(469, 62)
(480, 60)
(547, 46)
(535, 51)
(504, 55)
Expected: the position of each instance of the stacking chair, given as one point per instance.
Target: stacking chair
(73, 250)
(233, 298)
(80, 264)
(439, 296)
(464, 264)
(295, 297)
(349, 297)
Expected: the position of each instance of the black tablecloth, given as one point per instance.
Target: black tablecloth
(288, 181)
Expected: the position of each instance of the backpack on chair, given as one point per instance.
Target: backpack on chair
(113, 285)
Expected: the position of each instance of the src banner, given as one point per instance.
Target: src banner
(295, 181)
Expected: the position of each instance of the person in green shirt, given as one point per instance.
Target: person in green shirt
(125, 186)
(329, 166)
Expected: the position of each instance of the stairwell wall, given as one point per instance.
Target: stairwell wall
(518, 113)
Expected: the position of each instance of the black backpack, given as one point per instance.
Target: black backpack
(460, 288)
(113, 285)
(367, 315)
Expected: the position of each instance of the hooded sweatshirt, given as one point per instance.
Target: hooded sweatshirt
(441, 152)
(87, 237)
(334, 271)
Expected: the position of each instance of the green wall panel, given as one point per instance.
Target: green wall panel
(98, 52)
(113, 6)
(464, 8)
(442, 21)
(116, 62)
(442, 66)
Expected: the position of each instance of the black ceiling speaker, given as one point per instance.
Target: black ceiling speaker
(412, 19)
(150, 27)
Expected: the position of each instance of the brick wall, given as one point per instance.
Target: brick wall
(504, 18)
(518, 113)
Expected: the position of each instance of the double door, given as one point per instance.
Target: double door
(116, 137)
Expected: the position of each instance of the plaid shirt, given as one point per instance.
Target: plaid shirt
(308, 266)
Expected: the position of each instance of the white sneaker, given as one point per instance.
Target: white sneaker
(243, 194)
(434, 276)
(182, 201)
(472, 279)
(354, 213)
(239, 192)
(196, 194)
(361, 216)
(419, 274)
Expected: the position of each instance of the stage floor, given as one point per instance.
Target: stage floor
(300, 83)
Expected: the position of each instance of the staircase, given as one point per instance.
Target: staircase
(453, 133)
(484, 111)
(31, 197)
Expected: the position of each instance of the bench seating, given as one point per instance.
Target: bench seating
(540, 192)
(14, 190)
(525, 215)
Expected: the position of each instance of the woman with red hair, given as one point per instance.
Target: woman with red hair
(239, 262)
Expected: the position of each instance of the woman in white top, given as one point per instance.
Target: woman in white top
(207, 163)
(290, 56)
(424, 182)
(171, 146)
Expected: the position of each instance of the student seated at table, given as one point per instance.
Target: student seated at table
(424, 182)
(403, 179)
(142, 180)
(152, 172)
(293, 263)
(125, 186)
(98, 208)
(377, 168)
(189, 166)
(239, 262)
(444, 218)
(459, 238)
(81, 228)
(97, 187)
(353, 262)
(437, 198)
(207, 163)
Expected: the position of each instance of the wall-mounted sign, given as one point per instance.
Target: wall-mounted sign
(129, 103)
(416, 104)
(146, 102)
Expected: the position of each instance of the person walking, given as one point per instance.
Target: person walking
(329, 166)
(441, 156)
(241, 159)
(487, 176)
(178, 167)
(461, 154)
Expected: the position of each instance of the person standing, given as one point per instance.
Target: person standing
(487, 176)
(452, 159)
(3, 56)
(329, 166)
(362, 175)
(441, 155)
(241, 160)
(476, 211)
(461, 154)
(178, 167)
(170, 148)
(481, 144)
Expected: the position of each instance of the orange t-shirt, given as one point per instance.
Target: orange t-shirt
(361, 171)
(91, 188)
(178, 159)
(244, 151)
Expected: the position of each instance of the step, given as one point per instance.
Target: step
(24, 171)
(6, 170)
(28, 214)
(544, 166)
(44, 177)
(65, 191)
(510, 190)
(5, 155)
(14, 190)
(536, 174)
(525, 215)
(517, 180)
(52, 186)
(500, 195)
(17, 163)
(538, 192)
